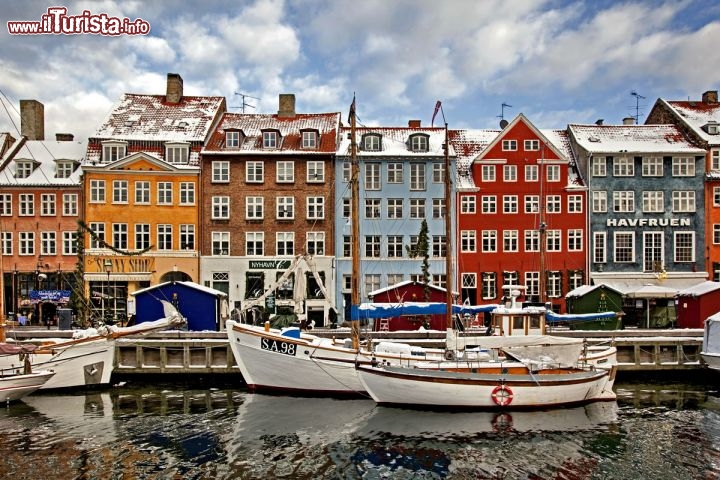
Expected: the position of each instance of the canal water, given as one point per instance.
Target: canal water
(655, 430)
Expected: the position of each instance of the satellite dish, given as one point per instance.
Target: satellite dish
(503, 123)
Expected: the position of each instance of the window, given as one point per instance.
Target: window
(532, 240)
(438, 208)
(554, 240)
(439, 246)
(65, 169)
(532, 203)
(221, 243)
(468, 241)
(552, 173)
(23, 169)
(653, 251)
(316, 243)
(419, 143)
(575, 279)
(489, 285)
(599, 201)
(554, 284)
(371, 143)
(98, 239)
(187, 193)
(220, 208)
(254, 172)
(532, 145)
(285, 208)
(488, 204)
(599, 167)
(683, 201)
(716, 196)
(395, 172)
(220, 172)
(372, 246)
(97, 191)
(177, 153)
(599, 247)
(467, 204)
(438, 172)
(623, 167)
(315, 208)
(715, 159)
(417, 177)
(510, 204)
(394, 278)
(285, 243)
(120, 235)
(395, 208)
(510, 240)
(27, 205)
(575, 240)
(346, 171)
(70, 204)
(254, 208)
(26, 244)
(285, 172)
(395, 246)
(347, 245)
(165, 193)
(372, 282)
(624, 201)
(683, 167)
(270, 139)
(113, 151)
(510, 173)
(372, 208)
(187, 236)
(652, 167)
(510, 278)
(532, 284)
(120, 191)
(6, 204)
(716, 233)
(489, 241)
(232, 139)
(624, 247)
(69, 243)
(47, 204)
(575, 204)
(346, 208)
(254, 243)
(309, 139)
(684, 247)
(553, 204)
(653, 201)
(417, 208)
(142, 193)
(142, 236)
(509, 145)
(315, 172)
(532, 173)
(48, 243)
(488, 173)
(372, 176)
(164, 237)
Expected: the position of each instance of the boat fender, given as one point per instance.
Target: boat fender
(449, 355)
(502, 396)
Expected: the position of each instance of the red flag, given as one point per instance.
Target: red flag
(437, 109)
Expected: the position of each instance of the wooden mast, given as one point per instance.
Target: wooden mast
(355, 233)
(543, 227)
(448, 234)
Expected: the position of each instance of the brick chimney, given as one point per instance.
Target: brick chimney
(174, 92)
(710, 96)
(629, 121)
(32, 119)
(64, 137)
(286, 105)
(414, 123)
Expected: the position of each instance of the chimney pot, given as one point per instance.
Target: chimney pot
(286, 105)
(414, 123)
(628, 121)
(32, 119)
(174, 92)
(64, 137)
(710, 96)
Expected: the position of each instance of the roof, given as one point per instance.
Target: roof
(193, 285)
(401, 285)
(633, 139)
(150, 117)
(696, 114)
(395, 141)
(468, 144)
(585, 289)
(700, 289)
(290, 128)
(46, 154)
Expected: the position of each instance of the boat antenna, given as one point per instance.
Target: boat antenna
(355, 238)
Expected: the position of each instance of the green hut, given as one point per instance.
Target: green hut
(595, 299)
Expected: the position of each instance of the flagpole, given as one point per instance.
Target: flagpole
(355, 233)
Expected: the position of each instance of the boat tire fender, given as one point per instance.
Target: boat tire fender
(449, 355)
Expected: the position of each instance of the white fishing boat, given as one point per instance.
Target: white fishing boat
(14, 386)
(711, 342)
(88, 358)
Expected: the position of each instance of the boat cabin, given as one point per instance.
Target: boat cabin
(516, 319)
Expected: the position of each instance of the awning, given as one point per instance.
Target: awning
(653, 291)
(647, 285)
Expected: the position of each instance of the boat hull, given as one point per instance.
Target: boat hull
(15, 387)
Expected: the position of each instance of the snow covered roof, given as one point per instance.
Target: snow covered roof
(45, 156)
(696, 115)
(395, 141)
(468, 144)
(290, 129)
(633, 139)
(700, 289)
(585, 289)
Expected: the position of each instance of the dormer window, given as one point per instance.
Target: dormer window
(712, 127)
(65, 168)
(310, 139)
(372, 143)
(113, 150)
(177, 153)
(271, 139)
(232, 139)
(419, 142)
(24, 168)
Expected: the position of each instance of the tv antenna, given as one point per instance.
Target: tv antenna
(244, 104)
(638, 97)
(503, 122)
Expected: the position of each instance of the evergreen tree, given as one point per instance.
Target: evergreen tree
(422, 249)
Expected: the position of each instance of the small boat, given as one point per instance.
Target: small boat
(87, 359)
(15, 384)
(710, 352)
(512, 386)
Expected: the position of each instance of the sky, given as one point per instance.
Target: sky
(555, 61)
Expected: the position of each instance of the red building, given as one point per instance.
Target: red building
(409, 291)
(697, 303)
(521, 215)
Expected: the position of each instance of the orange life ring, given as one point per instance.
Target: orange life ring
(502, 395)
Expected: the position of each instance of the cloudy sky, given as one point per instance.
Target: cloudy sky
(556, 61)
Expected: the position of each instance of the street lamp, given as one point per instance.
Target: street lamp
(108, 268)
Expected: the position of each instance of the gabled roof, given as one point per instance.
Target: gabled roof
(150, 163)
(290, 128)
(560, 150)
(633, 139)
(151, 118)
(468, 144)
(700, 289)
(45, 154)
(696, 114)
(395, 141)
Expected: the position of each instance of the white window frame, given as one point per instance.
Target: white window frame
(220, 207)
(220, 171)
